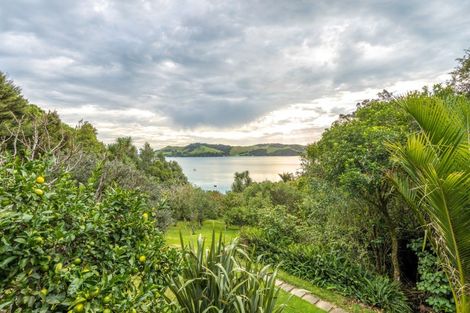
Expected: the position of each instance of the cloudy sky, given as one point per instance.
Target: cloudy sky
(237, 72)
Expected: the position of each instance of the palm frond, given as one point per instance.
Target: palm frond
(436, 163)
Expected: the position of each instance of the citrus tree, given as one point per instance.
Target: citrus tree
(60, 250)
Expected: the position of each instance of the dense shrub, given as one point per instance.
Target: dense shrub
(62, 250)
(241, 216)
(432, 279)
(191, 203)
(330, 268)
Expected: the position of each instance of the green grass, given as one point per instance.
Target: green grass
(325, 294)
(172, 236)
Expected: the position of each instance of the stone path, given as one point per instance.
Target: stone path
(309, 297)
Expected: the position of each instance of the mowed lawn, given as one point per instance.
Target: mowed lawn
(172, 238)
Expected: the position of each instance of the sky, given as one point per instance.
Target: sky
(238, 72)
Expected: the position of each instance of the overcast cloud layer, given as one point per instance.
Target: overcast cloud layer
(238, 72)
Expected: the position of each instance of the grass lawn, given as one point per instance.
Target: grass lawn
(172, 236)
(324, 294)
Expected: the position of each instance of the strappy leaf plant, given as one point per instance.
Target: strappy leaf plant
(223, 278)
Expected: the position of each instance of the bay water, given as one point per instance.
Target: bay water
(216, 173)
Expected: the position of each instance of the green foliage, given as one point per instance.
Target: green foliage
(154, 164)
(11, 103)
(223, 278)
(351, 155)
(432, 279)
(241, 216)
(241, 181)
(60, 249)
(436, 162)
(461, 74)
(331, 268)
(191, 204)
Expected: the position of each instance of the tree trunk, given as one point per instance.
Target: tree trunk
(394, 256)
(392, 230)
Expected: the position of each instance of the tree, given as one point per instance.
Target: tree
(86, 137)
(12, 103)
(351, 155)
(146, 157)
(461, 74)
(123, 150)
(241, 181)
(436, 184)
(285, 177)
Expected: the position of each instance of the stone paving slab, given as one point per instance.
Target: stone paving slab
(326, 306)
(287, 287)
(299, 292)
(309, 297)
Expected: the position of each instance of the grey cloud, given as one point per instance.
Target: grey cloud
(221, 63)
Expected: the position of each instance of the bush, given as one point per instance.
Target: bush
(432, 279)
(223, 279)
(240, 216)
(331, 268)
(62, 250)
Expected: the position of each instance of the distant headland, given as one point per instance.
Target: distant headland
(219, 150)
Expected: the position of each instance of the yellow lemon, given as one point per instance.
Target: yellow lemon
(40, 180)
(79, 308)
(142, 259)
(145, 216)
(43, 292)
(58, 267)
(38, 191)
(39, 240)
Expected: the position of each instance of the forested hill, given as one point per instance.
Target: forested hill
(212, 150)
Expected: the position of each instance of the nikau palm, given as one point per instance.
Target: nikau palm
(436, 184)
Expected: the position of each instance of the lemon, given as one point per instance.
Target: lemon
(43, 292)
(107, 299)
(58, 267)
(145, 216)
(79, 308)
(40, 180)
(95, 291)
(142, 259)
(38, 191)
(39, 240)
(77, 261)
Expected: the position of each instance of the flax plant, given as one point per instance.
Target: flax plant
(223, 278)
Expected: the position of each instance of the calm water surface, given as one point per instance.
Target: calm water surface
(216, 173)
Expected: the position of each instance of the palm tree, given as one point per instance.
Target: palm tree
(436, 184)
(241, 181)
